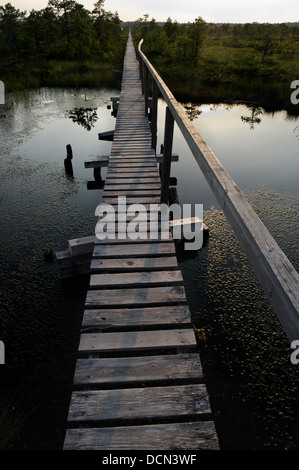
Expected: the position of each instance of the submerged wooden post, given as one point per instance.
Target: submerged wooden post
(155, 93)
(68, 161)
(167, 152)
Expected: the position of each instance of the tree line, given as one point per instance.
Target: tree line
(250, 61)
(38, 47)
(65, 44)
(64, 29)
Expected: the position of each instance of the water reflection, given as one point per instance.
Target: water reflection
(253, 119)
(85, 117)
(192, 112)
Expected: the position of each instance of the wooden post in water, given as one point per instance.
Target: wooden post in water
(68, 161)
(167, 152)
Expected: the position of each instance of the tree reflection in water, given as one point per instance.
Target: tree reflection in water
(85, 117)
(253, 119)
(192, 112)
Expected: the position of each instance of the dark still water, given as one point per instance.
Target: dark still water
(252, 383)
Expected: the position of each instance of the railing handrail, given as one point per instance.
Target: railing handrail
(273, 269)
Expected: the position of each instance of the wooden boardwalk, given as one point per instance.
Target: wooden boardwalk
(138, 382)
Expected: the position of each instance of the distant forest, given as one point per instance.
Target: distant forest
(61, 45)
(68, 46)
(207, 61)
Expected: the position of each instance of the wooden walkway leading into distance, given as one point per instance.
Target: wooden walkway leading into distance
(138, 382)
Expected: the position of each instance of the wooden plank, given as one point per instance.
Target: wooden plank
(133, 264)
(136, 186)
(123, 318)
(96, 162)
(136, 370)
(123, 164)
(131, 180)
(192, 436)
(137, 170)
(138, 250)
(144, 278)
(145, 404)
(131, 200)
(133, 297)
(81, 246)
(128, 240)
(137, 341)
(131, 192)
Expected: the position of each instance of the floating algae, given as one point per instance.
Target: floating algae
(253, 384)
(39, 212)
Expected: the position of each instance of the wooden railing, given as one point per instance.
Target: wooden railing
(274, 271)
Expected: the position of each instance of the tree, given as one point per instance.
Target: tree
(197, 32)
(80, 31)
(63, 9)
(11, 26)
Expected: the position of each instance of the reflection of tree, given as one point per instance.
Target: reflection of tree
(85, 117)
(296, 130)
(253, 119)
(192, 112)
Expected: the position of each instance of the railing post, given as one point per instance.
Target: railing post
(141, 73)
(167, 152)
(146, 91)
(154, 114)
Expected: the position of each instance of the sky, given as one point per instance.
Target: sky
(215, 11)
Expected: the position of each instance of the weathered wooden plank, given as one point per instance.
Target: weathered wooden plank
(134, 370)
(134, 169)
(138, 250)
(81, 246)
(180, 436)
(133, 264)
(131, 192)
(146, 403)
(133, 297)
(123, 164)
(122, 318)
(132, 200)
(146, 237)
(96, 162)
(136, 186)
(141, 279)
(110, 179)
(124, 341)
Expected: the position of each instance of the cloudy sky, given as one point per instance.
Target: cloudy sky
(272, 11)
